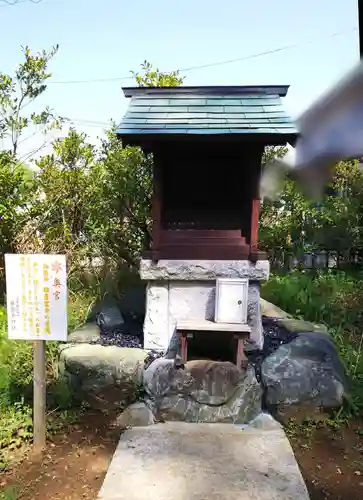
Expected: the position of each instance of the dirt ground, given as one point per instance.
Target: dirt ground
(72, 467)
(76, 461)
(332, 462)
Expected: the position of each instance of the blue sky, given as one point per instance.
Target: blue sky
(109, 38)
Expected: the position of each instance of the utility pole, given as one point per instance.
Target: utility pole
(360, 27)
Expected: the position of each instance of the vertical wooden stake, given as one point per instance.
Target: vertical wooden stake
(254, 223)
(39, 401)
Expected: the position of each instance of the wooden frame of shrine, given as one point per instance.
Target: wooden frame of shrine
(207, 145)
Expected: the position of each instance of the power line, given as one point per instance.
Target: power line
(267, 52)
(88, 123)
(15, 2)
(208, 65)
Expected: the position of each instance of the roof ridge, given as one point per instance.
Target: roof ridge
(280, 90)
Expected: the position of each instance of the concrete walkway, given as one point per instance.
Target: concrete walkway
(180, 461)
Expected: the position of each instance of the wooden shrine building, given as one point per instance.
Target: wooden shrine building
(207, 145)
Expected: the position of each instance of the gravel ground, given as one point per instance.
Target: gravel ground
(274, 336)
(130, 335)
(119, 338)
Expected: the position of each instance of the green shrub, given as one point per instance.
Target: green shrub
(329, 297)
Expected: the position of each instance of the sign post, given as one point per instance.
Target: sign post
(36, 295)
(39, 396)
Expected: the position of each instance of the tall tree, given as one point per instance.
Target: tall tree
(17, 124)
(150, 77)
(19, 91)
(127, 184)
(95, 202)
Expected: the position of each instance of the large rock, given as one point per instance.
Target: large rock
(85, 334)
(135, 415)
(303, 375)
(293, 325)
(106, 377)
(132, 303)
(124, 315)
(272, 311)
(204, 391)
(109, 317)
(287, 321)
(265, 422)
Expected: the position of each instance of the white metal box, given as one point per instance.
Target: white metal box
(231, 300)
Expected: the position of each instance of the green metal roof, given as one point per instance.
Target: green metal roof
(206, 111)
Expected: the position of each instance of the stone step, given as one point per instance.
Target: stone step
(182, 461)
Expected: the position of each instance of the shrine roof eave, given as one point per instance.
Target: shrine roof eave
(255, 113)
(208, 90)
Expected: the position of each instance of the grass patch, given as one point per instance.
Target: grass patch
(9, 494)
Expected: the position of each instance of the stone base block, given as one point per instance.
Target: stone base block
(185, 290)
(199, 270)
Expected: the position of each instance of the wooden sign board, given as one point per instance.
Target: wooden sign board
(36, 294)
(36, 291)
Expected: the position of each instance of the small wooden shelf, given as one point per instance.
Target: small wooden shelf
(205, 326)
(241, 332)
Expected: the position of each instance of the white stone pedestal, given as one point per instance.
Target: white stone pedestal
(185, 290)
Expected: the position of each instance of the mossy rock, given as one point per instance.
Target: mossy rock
(271, 310)
(85, 334)
(301, 326)
(107, 377)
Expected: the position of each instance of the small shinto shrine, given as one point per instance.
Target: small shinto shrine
(204, 267)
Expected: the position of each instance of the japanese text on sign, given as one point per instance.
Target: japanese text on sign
(36, 289)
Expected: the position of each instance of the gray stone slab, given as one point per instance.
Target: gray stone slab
(181, 461)
(204, 269)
